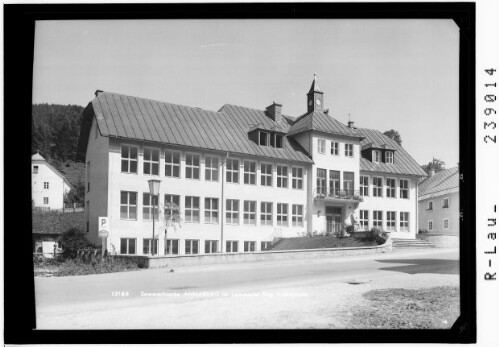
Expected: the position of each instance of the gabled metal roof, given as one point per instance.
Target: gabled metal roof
(142, 119)
(441, 181)
(403, 162)
(319, 121)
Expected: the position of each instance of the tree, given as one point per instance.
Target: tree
(394, 135)
(436, 165)
(72, 240)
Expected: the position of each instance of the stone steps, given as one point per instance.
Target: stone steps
(403, 243)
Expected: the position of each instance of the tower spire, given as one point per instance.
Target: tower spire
(315, 96)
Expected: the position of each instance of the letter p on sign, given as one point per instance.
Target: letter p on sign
(103, 227)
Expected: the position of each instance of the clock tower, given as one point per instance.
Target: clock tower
(315, 97)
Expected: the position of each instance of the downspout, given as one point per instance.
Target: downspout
(224, 162)
(417, 210)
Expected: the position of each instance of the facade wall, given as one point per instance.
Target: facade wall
(57, 187)
(439, 213)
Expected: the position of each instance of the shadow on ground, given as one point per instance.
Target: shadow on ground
(418, 266)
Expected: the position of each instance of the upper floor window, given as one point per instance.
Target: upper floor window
(430, 206)
(128, 205)
(321, 181)
(249, 172)
(249, 215)
(282, 176)
(35, 169)
(334, 183)
(404, 189)
(192, 166)
(278, 141)
(266, 174)
(211, 168)
(232, 170)
(297, 178)
(348, 150)
(151, 161)
(297, 215)
(45, 185)
(172, 164)
(266, 213)
(389, 157)
(172, 206)
(232, 211)
(390, 188)
(263, 138)
(377, 186)
(364, 185)
(129, 159)
(192, 209)
(321, 146)
(335, 148)
(211, 210)
(348, 182)
(445, 203)
(376, 156)
(148, 204)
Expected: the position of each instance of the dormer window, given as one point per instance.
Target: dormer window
(278, 141)
(376, 156)
(263, 138)
(389, 157)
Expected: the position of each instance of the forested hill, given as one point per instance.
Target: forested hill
(55, 131)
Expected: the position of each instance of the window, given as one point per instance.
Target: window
(128, 205)
(249, 215)
(364, 219)
(192, 209)
(211, 246)
(391, 223)
(87, 212)
(334, 183)
(377, 186)
(35, 169)
(266, 174)
(263, 138)
(278, 141)
(249, 246)
(210, 168)
(232, 170)
(146, 246)
(265, 245)
(151, 161)
(321, 181)
(191, 246)
(389, 157)
(192, 166)
(404, 221)
(404, 189)
(210, 210)
(282, 176)
(148, 201)
(348, 179)
(232, 213)
(297, 215)
(282, 214)
(321, 146)
(430, 206)
(348, 150)
(171, 247)
(446, 223)
(45, 185)
(335, 148)
(88, 176)
(45, 200)
(430, 225)
(364, 185)
(127, 246)
(129, 159)
(297, 178)
(378, 219)
(249, 172)
(376, 156)
(266, 213)
(231, 246)
(445, 203)
(390, 188)
(172, 207)
(172, 164)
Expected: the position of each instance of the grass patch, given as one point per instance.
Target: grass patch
(428, 308)
(75, 267)
(322, 242)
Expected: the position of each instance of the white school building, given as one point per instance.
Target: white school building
(240, 177)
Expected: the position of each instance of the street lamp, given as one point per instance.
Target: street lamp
(154, 191)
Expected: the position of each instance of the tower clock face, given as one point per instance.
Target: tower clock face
(318, 101)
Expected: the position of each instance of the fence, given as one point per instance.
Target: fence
(67, 208)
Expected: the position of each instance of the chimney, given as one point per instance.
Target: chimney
(350, 124)
(432, 173)
(274, 111)
(97, 92)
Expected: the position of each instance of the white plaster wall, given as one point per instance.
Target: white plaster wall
(438, 213)
(57, 186)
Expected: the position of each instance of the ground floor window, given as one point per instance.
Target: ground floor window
(430, 225)
(249, 246)
(249, 215)
(211, 246)
(45, 200)
(364, 219)
(297, 215)
(146, 246)
(127, 246)
(266, 213)
(446, 224)
(282, 214)
(231, 246)
(390, 221)
(265, 245)
(171, 247)
(378, 219)
(404, 221)
(191, 246)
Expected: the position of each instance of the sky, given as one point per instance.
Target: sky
(387, 74)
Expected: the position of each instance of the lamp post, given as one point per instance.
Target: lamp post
(154, 191)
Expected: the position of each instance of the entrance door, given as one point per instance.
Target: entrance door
(333, 220)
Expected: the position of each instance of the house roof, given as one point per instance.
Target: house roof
(129, 117)
(319, 121)
(403, 163)
(38, 158)
(441, 181)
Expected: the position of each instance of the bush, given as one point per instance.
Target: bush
(75, 267)
(379, 235)
(72, 240)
